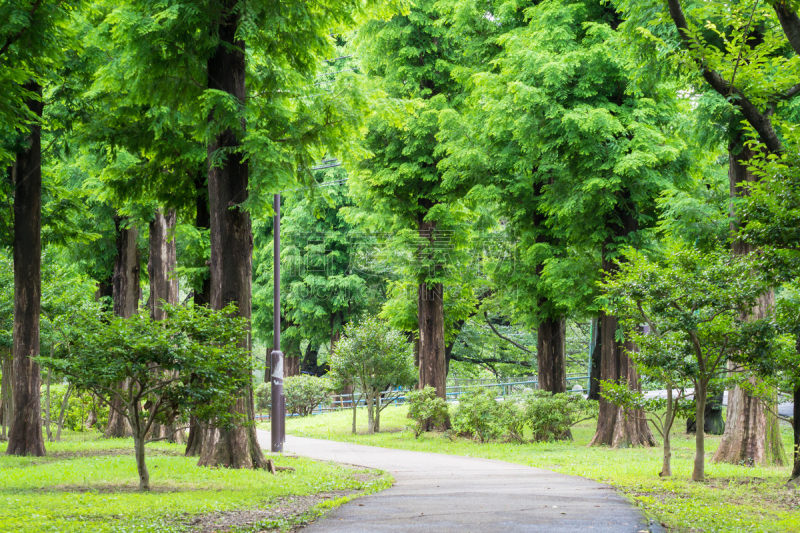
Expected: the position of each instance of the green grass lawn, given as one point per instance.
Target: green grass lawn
(734, 498)
(87, 483)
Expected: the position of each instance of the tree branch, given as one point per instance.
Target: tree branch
(488, 360)
(521, 347)
(790, 23)
(21, 32)
(758, 120)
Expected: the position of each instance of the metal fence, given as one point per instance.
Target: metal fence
(455, 388)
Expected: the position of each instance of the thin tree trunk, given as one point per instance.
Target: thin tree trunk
(370, 412)
(26, 436)
(752, 433)
(551, 355)
(141, 465)
(377, 427)
(126, 303)
(64, 403)
(47, 405)
(666, 468)
(355, 409)
(614, 428)
(6, 396)
(699, 471)
(231, 236)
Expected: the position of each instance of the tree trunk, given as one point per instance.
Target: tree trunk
(666, 467)
(163, 262)
(432, 363)
(126, 303)
(795, 477)
(194, 442)
(231, 236)
(104, 289)
(714, 422)
(163, 286)
(377, 427)
(48, 429)
(291, 366)
(26, 424)
(370, 412)
(6, 396)
(64, 404)
(614, 428)
(125, 291)
(752, 434)
(355, 410)
(596, 363)
(202, 221)
(551, 355)
(141, 465)
(699, 470)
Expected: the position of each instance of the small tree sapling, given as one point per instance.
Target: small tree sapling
(696, 306)
(376, 359)
(188, 363)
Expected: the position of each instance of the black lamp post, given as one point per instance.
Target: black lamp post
(278, 403)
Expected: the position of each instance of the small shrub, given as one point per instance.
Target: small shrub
(550, 416)
(479, 415)
(305, 393)
(512, 419)
(424, 405)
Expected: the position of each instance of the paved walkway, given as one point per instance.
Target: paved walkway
(447, 493)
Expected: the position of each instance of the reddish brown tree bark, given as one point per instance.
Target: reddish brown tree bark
(126, 302)
(163, 288)
(551, 355)
(615, 427)
(231, 237)
(25, 436)
(752, 434)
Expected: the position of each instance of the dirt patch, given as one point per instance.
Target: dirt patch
(290, 513)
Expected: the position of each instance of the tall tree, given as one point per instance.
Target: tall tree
(403, 191)
(583, 160)
(32, 37)
(25, 437)
(743, 57)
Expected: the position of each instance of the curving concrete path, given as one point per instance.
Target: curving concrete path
(447, 493)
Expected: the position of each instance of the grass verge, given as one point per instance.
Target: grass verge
(87, 483)
(733, 498)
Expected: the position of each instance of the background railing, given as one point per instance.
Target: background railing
(455, 388)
